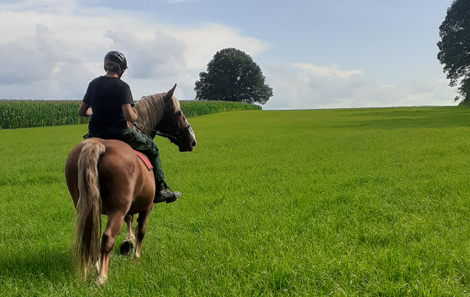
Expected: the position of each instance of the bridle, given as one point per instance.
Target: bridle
(176, 139)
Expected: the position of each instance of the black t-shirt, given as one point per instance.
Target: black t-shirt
(106, 96)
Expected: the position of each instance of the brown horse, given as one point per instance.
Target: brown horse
(106, 177)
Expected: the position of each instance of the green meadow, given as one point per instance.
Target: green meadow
(348, 202)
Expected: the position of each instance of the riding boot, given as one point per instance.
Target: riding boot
(163, 193)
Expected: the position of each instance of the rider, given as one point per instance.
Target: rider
(108, 100)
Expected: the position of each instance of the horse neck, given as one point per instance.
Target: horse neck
(150, 112)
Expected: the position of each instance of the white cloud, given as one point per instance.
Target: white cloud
(331, 70)
(204, 41)
(158, 57)
(40, 68)
(312, 87)
(63, 37)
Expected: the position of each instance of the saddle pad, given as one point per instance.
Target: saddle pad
(144, 159)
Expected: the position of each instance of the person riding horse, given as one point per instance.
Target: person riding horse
(108, 101)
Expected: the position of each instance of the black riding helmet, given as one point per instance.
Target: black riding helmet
(115, 61)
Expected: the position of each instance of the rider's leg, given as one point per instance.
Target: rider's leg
(163, 193)
(144, 144)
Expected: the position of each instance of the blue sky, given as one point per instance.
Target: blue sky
(314, 54)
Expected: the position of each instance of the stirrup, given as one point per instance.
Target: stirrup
(172, 197)
(175, 195)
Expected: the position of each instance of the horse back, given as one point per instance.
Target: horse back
(125, 183)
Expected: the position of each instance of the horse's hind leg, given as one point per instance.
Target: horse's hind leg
(141, 229)
(128, 245)
(107, 242)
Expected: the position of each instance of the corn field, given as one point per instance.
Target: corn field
(31, 113)
(199, 108)
(35, 113)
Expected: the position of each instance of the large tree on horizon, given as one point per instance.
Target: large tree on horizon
(454, 47)
(232, 75)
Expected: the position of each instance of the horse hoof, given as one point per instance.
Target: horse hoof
(126, 247)
(100, 280)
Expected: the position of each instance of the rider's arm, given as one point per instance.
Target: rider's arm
(84, 110)
(129, 113)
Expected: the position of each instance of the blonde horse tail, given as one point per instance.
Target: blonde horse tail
(88, 224)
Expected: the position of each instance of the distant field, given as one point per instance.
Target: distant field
(35, 113)
(353, 202)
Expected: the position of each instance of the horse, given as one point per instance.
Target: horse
(106, 177)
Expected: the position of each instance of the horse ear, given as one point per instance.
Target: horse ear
(167, 98)
(169, 94)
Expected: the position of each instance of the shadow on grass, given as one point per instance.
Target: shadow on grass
(52, 265)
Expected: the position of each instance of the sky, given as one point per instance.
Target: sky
(315, 54)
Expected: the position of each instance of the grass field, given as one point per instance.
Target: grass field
(366, 202)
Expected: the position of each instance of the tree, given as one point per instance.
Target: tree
(233, 76)
(454, 47)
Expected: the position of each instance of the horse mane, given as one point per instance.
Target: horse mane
(150, 111)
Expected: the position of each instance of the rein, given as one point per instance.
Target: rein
(173, 139)
(161, 134)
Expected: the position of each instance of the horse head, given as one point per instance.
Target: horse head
(174, 124)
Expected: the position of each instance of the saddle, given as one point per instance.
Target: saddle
(144, 159)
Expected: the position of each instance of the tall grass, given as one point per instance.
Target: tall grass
(30, 113)
(199, 108)
(369, 202)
